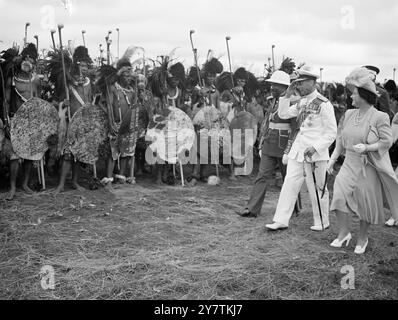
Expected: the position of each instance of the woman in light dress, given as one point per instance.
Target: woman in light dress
(366, 177)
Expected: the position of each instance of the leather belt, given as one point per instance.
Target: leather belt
(279, 126)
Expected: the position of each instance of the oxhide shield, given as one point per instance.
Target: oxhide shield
(171, 132)
(212, 128)
(87, 130)
(34, 122)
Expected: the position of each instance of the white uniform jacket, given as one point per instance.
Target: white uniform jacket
(319, 129)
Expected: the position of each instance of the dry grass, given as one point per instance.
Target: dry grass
(175, 243)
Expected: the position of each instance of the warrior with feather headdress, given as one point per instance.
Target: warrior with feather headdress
(24, 83)
(211, 69)
(146, 103)
(236, 91)
(21, 84)
(80, 94)
(210, 124)
(123, 115)
(166, 83)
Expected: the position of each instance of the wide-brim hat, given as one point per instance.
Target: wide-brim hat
(373, 68)
(361, 78)
(279, 77)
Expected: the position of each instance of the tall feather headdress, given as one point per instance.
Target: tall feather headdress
(224, 82)
(165, 68)
(10, 57)
(288, 66)
(55, 70)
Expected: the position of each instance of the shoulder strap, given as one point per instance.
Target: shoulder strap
(318, 101)
(77, 95)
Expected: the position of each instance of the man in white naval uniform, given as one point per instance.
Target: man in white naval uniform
(316, 131)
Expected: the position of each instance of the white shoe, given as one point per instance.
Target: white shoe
(391, 222)
(276, 226)
(338, 244)
(359, 249)
(319, 228)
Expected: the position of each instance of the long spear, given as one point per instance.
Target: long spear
(108, 49)
(195, 56)
(101, 56)
(227, 38)
(52, 38)
(60, 27)
(26, 33)
(118, 43)
(84, 40)
(37, 42)
(132, 165)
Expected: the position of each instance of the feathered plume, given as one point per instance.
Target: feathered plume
(390, 86)
(55, 70)
(252, 85)
(172, 54)
(30, 51)
(177, 70)
(224, 82)
(125, 60)
(81, 55)
(10, 57)
(107, 75)
(301, 64)
(288, 66)
(192, 77)
(157, 81)
(240, 73)
(213, 66)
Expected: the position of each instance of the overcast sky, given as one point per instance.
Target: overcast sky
(336, 35)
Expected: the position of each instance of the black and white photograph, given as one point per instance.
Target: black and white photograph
(211, 152)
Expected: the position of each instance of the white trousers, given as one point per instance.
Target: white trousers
(296, 172)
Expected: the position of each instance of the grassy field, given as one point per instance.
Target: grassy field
(148, 242)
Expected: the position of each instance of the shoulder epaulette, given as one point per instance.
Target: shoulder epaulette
(322, 98)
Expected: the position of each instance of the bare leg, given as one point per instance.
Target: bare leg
(363, 232)
(139, 163)
(159, 171)
(196, 174)
(343, 222)
(167, 168)
(232, 171)
(66, 164)
(123, 165)
(75, 176)
(14, 166)
(27, 168)
(109, 172)
(143, 161)
(110, 168)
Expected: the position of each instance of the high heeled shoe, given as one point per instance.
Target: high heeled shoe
(391, 223)
(338, 244)
(359, 249)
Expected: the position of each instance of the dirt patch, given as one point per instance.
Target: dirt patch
(147, 242)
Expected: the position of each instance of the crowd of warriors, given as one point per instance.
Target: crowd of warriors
(132, 94)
